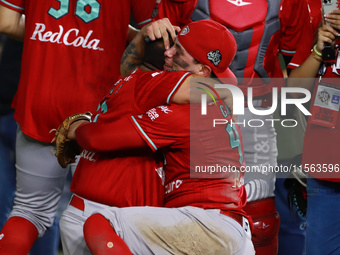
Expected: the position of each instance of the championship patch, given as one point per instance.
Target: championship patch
(184, 31)
(215, 57)
(326, 105)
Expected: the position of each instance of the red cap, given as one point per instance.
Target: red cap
(211, 44)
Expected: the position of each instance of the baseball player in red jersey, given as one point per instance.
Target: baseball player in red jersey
(125, 178)
(258, 37)
(71, 57)
(134, 88)
(206, 204)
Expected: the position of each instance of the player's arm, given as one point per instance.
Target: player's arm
(194, 86)
(310, 68)
(134, 54)
(116, 136)
(12, 23)
(132, 32)
(160, 127)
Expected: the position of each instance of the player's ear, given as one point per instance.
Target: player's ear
(204, 70)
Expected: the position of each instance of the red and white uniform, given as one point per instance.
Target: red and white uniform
(71, 57)
(189, 141)
(106, 177)
(258, 44)
(204, 204)
(101, 175)
(80, 40)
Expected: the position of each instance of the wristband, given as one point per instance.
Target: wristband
(317, 52)
(316, 56)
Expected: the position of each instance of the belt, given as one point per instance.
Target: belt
(235, 216)
(77, 202)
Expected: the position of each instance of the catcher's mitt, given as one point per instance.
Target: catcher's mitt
(66, 150)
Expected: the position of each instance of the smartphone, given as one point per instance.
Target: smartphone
(329, 5)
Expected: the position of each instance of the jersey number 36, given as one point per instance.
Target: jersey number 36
(81, 9)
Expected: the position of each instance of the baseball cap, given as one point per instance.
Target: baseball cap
(211, 44)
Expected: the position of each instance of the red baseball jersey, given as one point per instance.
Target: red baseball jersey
(71, 57)
(191, 146)
(126, 178)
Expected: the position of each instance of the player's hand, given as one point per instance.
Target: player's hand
(160, 29)
(333, 19)
(66, 148)
(326, 34)
(71, 135)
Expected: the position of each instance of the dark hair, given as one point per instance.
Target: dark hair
(213, 75)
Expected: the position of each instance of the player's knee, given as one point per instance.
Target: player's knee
(94, 226)
(39, 218)
(101, 238)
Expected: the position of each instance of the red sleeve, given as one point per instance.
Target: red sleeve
(142, 11)
(160, 127)
(164, 126)
(296, 29)
(299, 57)
(15, 5)
(116, 136)
(157, 88)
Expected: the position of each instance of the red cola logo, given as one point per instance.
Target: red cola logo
(70, 37)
